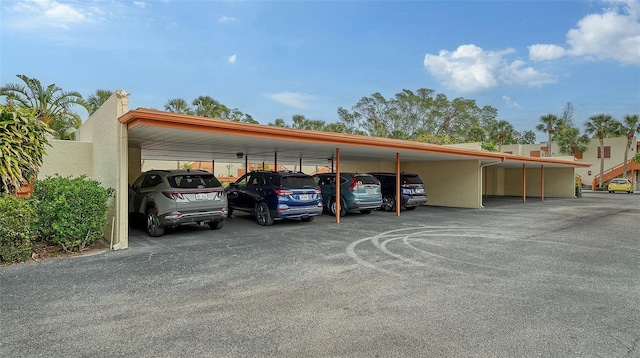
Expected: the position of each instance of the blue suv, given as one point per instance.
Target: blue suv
(271, 195)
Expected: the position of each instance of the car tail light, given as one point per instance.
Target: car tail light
(283, 192)
(318, 191)
(353, 185)
(173, 195)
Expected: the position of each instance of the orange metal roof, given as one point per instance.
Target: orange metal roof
(171, 135)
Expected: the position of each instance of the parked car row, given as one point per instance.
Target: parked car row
(169, 198)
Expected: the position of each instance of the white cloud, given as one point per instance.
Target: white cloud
(232, 59)
(613, 34)
(224, 19)
(141, 4)
(470, 69)
(36, 13)
(542, 52)
(510, 102)
(295, 100)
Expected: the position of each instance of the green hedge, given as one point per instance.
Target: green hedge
(70, 212)
(16, 230)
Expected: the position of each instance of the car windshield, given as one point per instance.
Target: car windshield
(296, 182)
(620, 181)
(193, 181)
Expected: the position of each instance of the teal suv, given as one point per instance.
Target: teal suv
(358, 192)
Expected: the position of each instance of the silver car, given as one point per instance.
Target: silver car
(168, 198)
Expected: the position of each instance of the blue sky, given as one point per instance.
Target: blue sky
(275, 59)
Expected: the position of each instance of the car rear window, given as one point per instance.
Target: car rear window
(193, 181)
(620, 181)
(411, 179)
(366, 179)
(296, 182)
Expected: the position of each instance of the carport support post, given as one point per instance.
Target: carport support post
(398, 197)
(338, 182)
(542, 183)
(275, 161)
(300, 166)
(246, 164)
(524, 183)
(213, 167)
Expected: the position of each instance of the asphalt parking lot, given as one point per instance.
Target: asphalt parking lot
(558, 278)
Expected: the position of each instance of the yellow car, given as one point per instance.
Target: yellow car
(620, 185)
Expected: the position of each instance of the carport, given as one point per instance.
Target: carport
(112, 143)
(453, 176)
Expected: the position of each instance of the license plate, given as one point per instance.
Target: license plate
(371, 191)
(201, 196)
(420, 191)
(304, 197)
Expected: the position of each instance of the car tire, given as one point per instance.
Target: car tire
(366, 211)
(388, 202)
(307, 219)
(263, 216)
(411, 207)
(332, 207)
(216, 225)
(153, 224)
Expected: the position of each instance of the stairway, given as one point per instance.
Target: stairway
(614, 173)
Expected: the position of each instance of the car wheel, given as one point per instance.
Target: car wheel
(411, 207)
(153, 224)
(366, 211)
(388, 202)
(307, 219)
(263, 216)
(216, 225)
(333, 208)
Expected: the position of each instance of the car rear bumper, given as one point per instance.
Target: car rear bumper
(179, 218)
(414, 201)
(296, 212)
(364, 205)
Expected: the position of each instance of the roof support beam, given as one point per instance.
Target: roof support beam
(338, 185)
(524, 183)
(542, 183)
(398, 197)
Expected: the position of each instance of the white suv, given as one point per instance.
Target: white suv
(168, 198)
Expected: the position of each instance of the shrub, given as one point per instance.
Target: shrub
(70, 212)
(16, 230)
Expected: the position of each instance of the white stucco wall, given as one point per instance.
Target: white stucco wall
(109, 155)
(67, 158)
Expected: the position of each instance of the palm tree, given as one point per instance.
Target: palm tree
(549, 123)
(601, 126)
(502, 131)
(629, 126)
(571, 141)
(209, 107)
(178, 105)
(64, 126)
(96, 100)
(49, 102)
